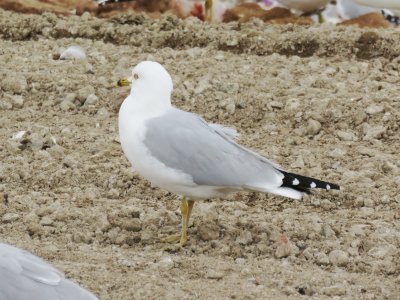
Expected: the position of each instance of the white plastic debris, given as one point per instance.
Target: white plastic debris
(73, 52)
(19, 135)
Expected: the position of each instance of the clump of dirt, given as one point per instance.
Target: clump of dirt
(68, 194)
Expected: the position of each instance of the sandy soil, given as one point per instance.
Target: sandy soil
(320, 101)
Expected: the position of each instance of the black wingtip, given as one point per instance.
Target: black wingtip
(302, 183)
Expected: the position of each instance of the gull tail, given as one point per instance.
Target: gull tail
(295, 186)
(304, 184)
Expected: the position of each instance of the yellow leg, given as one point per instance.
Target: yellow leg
(321, 17)
(185, 217)
(186, 210)
(208, 11)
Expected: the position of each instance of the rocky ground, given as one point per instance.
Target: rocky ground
(319, 100)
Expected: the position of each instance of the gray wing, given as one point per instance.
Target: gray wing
(185, 142)
(25, 276)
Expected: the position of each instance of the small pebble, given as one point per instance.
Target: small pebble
(346, 136)
(252, 281)
(89, 69)
(46, 221)
(369, 202)
(132, 224)
(219, 56)
(232, 42)
(322, 258)
(366, 211)
(86, 16)
(10, 217)
(113, 194)
(372, 132)
(357, 230)
(316, 202)
(4, 105)
(353, 251)
(327, 205)
(284, 247)
(103, 113)
(67, 106)
(201, 86)
(230, 108)
(327, 231)
(240, 261)
(146, 237)
(338, 258)
(337, 152)
(91, 100)
(15, 84)
(79, 237)
(17, 101)
(212, 274)
(70, 97)
(374, 109)
(166, 263)
(383, 251)
(313, 127)
(336, 290)
(299, 162)
(275, 104)
(70, 161)
(308, 254)
(84, 92)
(208, 231)
(292, 105)
(245, 238)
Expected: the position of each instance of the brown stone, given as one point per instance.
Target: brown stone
(370, 20)
(292, 20)
(63, 7)
(244, 12)
(154, 8)
(278, 15)
(66, 7)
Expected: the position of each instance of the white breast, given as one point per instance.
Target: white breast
(132, 131)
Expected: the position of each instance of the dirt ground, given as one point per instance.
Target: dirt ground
(321, 101)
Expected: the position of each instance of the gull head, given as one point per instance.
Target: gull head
(149, 82)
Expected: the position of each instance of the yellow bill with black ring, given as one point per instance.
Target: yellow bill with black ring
(125, 81)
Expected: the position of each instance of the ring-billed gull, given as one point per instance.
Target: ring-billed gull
(181, 153)
(24, 276)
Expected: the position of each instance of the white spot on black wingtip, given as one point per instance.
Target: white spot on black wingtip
(313, 185)
(296, 182)
(328, 187)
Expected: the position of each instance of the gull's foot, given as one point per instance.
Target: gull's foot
(174, 243)
(175, 239)
(172, 239)
(181, 239)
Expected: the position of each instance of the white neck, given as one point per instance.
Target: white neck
(145, 105)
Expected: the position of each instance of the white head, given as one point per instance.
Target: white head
(151, 83)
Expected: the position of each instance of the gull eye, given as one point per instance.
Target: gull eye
(135, 76)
